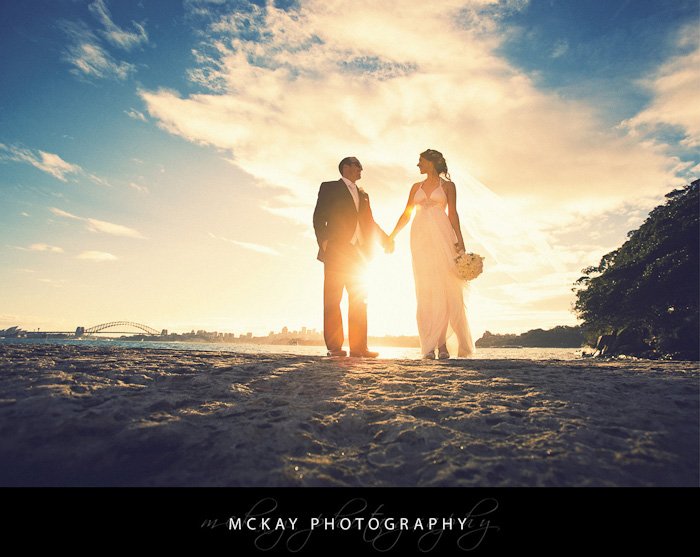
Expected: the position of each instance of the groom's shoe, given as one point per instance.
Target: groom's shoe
(364, 354)
(337, 353)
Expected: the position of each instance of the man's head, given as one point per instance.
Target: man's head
(350, 168)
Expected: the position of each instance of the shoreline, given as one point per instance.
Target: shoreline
(581, 352)
(412, 342)
(111, 416)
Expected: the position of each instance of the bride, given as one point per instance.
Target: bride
(436, 240)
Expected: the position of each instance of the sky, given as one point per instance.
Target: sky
(160, 160)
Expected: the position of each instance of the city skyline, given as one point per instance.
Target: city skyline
(283, 331)
(159, 161)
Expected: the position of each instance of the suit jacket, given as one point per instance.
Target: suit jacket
(335, 218)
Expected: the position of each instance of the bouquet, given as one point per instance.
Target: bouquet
(469, 265)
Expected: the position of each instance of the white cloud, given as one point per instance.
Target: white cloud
(201, 8)
(560, 49)
(385, 81)
(115, 34)
(95, 225)
(289, 93)
(98, 180)
(55, 165)
(50, 163)
(139, 188)
(135, 114)
(89, 58)
(45, 247)
(675, 88)
(46, 162)
(246, 245)
(99, 256)
(64, 214)
(53, 282)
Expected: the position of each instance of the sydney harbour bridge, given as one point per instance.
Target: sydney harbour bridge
(118, 325)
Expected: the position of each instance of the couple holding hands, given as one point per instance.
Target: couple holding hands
(346, 232)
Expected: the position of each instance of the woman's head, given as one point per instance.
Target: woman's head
(436, 159)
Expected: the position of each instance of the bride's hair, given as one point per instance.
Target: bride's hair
(438, 161)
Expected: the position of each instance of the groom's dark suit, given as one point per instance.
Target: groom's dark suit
(335, 221)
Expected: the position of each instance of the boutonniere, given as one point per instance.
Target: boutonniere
(361, 191)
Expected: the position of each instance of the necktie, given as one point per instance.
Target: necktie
(357, 236)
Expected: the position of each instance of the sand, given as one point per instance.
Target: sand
(92, 416)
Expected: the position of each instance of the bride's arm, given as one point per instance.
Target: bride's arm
(451, 193)
(406, 215)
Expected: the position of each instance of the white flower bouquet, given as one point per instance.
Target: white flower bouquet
(469, 265)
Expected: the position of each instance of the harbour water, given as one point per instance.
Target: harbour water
(385, 352)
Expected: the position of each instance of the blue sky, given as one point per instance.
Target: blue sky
(597, 50)
(159, 160)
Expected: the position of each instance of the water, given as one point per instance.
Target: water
(385, 352)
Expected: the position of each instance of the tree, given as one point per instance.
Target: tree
(650, 283)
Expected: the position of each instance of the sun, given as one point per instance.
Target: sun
(391, 299)
(389, 287)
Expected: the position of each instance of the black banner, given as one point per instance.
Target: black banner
(366, 521)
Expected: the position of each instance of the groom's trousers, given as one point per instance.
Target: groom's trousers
(343, 269)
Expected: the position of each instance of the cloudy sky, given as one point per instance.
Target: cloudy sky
(160, 160)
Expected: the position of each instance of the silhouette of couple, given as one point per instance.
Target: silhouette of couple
(346, 233)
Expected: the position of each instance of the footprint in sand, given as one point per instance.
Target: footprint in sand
(425, 412)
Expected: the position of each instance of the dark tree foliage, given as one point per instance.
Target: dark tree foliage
(650, 284)
(558, 337)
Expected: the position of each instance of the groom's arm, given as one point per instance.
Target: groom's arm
(381, 236)
(321, 217)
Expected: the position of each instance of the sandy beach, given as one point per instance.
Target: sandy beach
(92, 416)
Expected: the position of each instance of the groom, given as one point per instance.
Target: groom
(345, 231)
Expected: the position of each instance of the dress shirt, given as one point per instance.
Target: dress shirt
(352, 188)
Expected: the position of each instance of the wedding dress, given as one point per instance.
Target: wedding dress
(439, 291)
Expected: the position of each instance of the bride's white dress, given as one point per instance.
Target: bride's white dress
(439, 291)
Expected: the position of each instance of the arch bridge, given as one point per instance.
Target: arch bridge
(99, 328)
